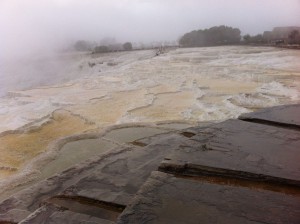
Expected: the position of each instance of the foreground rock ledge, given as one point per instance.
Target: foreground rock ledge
(167, 199)
(237, 171)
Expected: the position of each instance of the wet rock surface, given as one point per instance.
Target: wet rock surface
(215, 173)
(167, 199)
(53, 214)
(117, 178)
(287, 116)
(240, 149)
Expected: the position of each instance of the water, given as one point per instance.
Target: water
(78, 151)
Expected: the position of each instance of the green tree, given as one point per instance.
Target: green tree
(247, 38)
(218, 35)
(101, 49)
(81, 45)
(127, 46)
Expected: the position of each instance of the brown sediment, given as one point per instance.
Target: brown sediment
(137, 143)
(18, 148)
(187, 134)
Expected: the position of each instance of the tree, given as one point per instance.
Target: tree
(258, 39)
(82, 45)
(293, 37)
(247, 38)
(218, 35)
(101, 49)
(127, 46)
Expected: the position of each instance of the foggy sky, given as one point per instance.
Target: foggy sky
(28, 25)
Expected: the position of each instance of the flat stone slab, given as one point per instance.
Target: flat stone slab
(287, 115)
(112, 177)
(236, 148)
(21, 204)
(118, 178)
(167, 199)
(51, 214)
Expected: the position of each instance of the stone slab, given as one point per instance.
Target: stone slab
(167, 199)
(287, 115)
(18, 206)
(112, 177)
(118, 178)
(51, 214)
(239, 149)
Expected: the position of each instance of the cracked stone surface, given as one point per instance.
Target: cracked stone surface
(167, 199)
(287, 114)
(239, 148)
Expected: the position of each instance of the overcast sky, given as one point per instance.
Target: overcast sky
(35, 24)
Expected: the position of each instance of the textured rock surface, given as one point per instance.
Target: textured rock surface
(18, 206)
(114, 177)
(287, 115)
(240, 149)
(118, 178)
(167, 199)
(51, 214)
(231, 172)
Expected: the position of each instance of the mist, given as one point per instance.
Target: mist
(48, 25)
(33, 32)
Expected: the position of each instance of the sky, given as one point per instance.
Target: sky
(41, 25)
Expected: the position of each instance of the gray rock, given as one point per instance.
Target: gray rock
(119, 177)
(286, 115)
(236, 148)
(167, 199)
(113, 177)
(28, 200)
(51, 214)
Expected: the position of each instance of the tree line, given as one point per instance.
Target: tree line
(214, 36)
(217, 35)
(82, 45)
(224, 35)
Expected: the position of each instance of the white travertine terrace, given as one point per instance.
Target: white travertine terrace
(193, 84)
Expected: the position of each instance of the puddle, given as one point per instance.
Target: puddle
(70, 154)
(78, 151)
(75, 152)
(16, 149)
